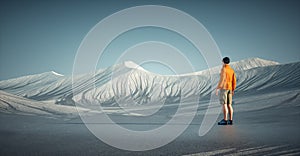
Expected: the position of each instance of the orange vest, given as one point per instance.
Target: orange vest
(227, 78)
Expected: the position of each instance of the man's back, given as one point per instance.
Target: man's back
(227, 78)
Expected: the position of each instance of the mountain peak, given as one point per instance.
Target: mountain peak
(131, 64)
(259, 60)
(55, 73)
(252, 63)
(245, 64)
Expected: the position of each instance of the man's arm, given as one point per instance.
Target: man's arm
(233, 83)
(221, 81)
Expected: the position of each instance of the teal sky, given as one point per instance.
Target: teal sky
(40, 36)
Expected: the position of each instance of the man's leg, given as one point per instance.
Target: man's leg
(229, 105)
(223, 97)
(225, 111)
(230, 111)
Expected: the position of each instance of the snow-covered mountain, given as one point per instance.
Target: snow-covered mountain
(10, 103)
(32, 85)
(240, 65)
(127, 81)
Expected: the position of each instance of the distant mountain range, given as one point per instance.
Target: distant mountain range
(127, 81)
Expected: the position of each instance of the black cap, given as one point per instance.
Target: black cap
(226, 60)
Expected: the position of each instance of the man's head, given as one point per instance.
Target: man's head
(226, 60)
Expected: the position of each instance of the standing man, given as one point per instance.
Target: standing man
(226, 86)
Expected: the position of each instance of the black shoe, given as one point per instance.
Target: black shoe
(229, 122)
(222, 122)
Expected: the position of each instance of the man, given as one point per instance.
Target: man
(226, 86)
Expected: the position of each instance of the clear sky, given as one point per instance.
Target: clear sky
(40, 36)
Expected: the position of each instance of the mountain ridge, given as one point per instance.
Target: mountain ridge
(127, 80)
(133, 65)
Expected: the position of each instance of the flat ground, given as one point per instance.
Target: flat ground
(273, 131)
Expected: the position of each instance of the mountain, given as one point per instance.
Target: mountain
(240, 65)
(147, 88)
(252, 63)
(127, 81)
(10, 103)
(20, 86)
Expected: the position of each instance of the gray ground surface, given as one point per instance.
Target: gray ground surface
(271, 131)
